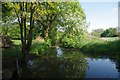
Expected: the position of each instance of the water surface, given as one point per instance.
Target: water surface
(62, 63)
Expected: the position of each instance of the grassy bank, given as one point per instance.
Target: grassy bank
(89, 45)
(102, 46)
(38, 47)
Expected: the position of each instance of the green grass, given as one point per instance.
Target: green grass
(38, 47)
(17, 42)
(12, 52)
(102, 46)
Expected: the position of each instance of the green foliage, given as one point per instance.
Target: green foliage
(53, 36)
(10, 29)
(7, 12)
(39, 47)
(74, 33)
(73, 42)
(66, 15)
(16, 42)
(48, 17)
(111, 32)
(97, 32)
(100, 46)
(12, 52)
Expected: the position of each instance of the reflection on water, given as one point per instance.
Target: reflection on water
(101, 68)
(50, 66)
(60, 63)
(59, 52)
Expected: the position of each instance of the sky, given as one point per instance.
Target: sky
(100, 14)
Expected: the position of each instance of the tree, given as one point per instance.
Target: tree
(97, 32)
(76, 27)
(25, 14)
(111, 32)
(48, 20)
(56, 15)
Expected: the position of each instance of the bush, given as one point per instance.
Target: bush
(39, 48)
(73, 42)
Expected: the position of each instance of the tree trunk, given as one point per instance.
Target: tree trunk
(29, 42)
(22, 24)
(26, 40)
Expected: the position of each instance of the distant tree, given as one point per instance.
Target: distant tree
(111, 32)
(97, 32)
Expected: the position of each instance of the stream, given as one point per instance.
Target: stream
(62, 63)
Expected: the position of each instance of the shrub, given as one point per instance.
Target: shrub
(39, 48)
(74, 41)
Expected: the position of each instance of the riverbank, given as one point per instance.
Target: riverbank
(93, 45)
(102, 47)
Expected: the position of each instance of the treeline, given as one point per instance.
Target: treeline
(111, 32)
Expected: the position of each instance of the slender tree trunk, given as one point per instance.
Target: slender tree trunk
(26, 40)
(23, 31)
(29, 42)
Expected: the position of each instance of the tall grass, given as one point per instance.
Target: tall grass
(102, 46)
(12, 52)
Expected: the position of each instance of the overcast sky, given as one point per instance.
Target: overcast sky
(101, 14)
